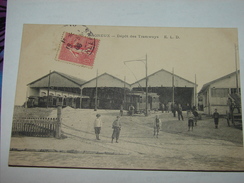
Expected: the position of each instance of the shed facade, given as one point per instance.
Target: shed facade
(69, 90)
(57, 84)
(214, 94)
(111, 91)
(165, 83)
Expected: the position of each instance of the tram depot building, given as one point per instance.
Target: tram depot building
(111, 91)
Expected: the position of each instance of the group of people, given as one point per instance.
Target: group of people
(116, 126)
(174, 108)
(192, 116)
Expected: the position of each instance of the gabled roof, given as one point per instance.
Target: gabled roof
(206, 86)
(105, 74)
(74, 80)
(162, 70)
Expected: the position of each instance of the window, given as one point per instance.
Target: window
(234, 90)
(219, 92)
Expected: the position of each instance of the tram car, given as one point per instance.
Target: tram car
(138, 101)
(154, 101)
(54, 101)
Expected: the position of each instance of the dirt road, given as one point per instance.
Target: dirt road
(176, 148)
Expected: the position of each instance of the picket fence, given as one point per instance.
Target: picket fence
(36, 127)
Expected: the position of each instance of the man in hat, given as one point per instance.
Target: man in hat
(216, 118)
(117, 127)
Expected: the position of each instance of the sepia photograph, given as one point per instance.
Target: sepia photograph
(128, 98)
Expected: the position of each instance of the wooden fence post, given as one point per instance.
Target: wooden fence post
(58, 125)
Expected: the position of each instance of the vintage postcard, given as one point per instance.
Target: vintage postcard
(134, 98)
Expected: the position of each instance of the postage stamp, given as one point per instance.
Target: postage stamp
(78, 49)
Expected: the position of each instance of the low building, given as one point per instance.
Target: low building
(214, 94)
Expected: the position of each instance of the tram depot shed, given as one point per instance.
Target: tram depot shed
(164, 83)
(111, 90)
(57, 84)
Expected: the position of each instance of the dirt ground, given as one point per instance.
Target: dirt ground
(176, 148)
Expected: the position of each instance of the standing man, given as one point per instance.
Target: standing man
(173, 108)
(179, 111)
(216, 118)
(163, 107)
(131, 109)
(169, 107)
(121, 110)
(188, 107)
(117, 127)
(97, 126)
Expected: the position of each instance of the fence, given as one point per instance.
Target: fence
(38, 127)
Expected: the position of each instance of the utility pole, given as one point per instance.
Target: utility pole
(237, 82)
(146, 88)
(195, 92)
(145, 62)
(81, 88)
(124, 91)
(173, 86)
(95, 108)
(48, 87)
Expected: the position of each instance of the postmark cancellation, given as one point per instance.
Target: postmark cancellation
(77, 49)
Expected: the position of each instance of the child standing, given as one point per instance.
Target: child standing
(195, 113)
(97, 126)
(216, 118)
(157, 126)
(190, 117)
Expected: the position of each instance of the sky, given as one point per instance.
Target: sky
(208, 53)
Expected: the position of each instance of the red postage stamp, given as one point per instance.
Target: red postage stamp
(78, 49)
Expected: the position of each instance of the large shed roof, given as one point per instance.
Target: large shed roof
(106, 80)
(57, 79)
(163, 78)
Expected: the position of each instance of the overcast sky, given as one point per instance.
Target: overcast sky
(207, 52)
